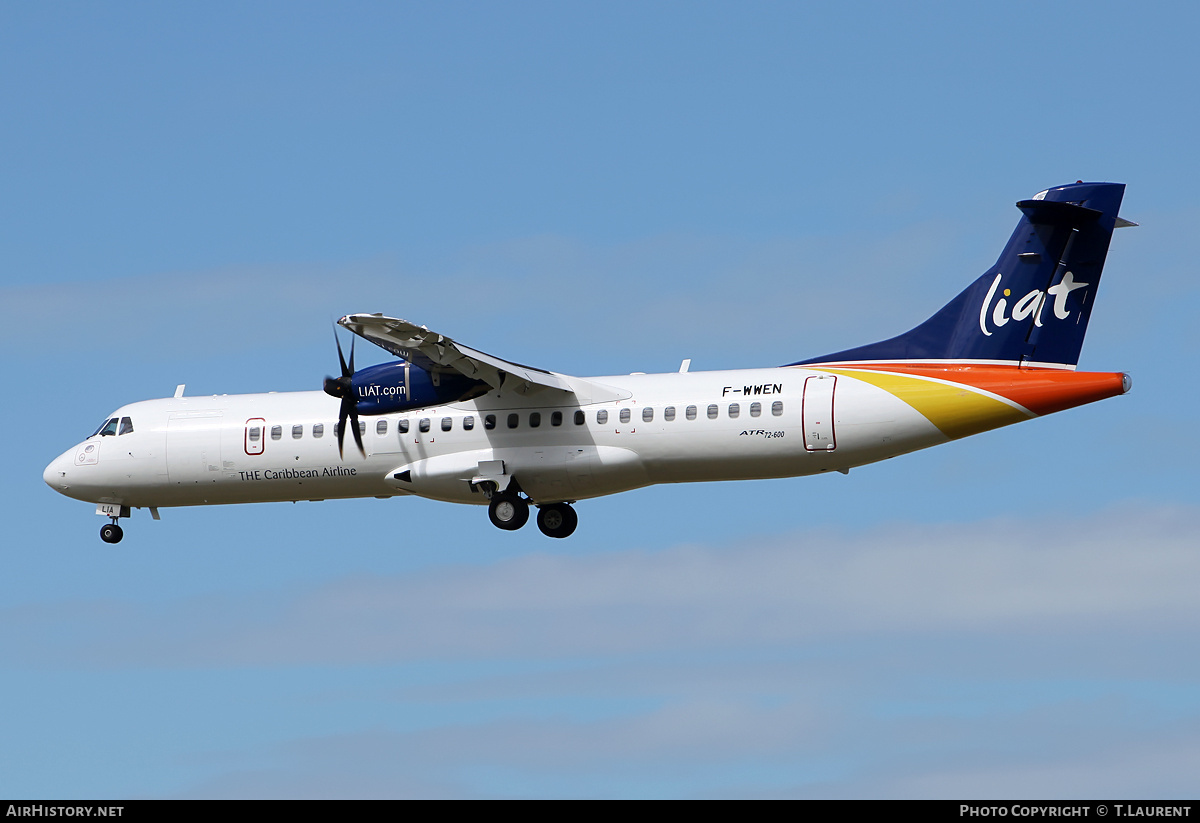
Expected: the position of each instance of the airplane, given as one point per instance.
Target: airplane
(448, 422)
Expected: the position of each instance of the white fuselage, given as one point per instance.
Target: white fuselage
(667, 428)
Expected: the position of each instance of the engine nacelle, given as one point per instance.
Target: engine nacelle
(400, 386)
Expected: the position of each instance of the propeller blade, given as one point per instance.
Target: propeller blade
(341, 428)
(357, 432)
(343, 387)
(341, 357)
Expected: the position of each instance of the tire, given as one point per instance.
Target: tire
(111, 533)
(557, 520)
(508, 512)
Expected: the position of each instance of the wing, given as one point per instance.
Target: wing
(435, 352)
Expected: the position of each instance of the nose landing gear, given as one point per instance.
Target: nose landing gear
(111, 532)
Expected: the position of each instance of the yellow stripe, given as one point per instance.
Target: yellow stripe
(957, 410)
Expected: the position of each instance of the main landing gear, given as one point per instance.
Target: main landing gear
(509, 511)
(557, 520)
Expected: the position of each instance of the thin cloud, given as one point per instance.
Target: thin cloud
(725, 300)
(1129, 570)
(814, 743)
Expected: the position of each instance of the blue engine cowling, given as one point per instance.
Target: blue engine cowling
(400, 386)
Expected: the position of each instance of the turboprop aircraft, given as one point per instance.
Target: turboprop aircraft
(448, 422)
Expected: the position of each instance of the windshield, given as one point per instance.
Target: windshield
(106, 428)
(111, 425)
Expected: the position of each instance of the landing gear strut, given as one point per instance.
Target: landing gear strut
(508, 511)
(111, 532)
(557, 520)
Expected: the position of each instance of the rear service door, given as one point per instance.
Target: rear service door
(818, 413)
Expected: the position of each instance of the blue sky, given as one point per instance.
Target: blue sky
(191, 194)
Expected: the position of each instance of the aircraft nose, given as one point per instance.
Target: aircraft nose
(55, 474)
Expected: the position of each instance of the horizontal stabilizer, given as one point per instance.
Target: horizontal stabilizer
(1054, 213)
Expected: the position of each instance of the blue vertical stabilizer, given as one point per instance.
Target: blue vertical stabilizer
(1032, 307)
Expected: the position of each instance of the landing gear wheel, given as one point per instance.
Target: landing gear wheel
(557, 520)
(111, 533)
(508, 512)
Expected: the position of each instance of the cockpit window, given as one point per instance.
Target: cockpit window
(107, 428)
(126, 426)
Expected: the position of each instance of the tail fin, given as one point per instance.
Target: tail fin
(1032, 307)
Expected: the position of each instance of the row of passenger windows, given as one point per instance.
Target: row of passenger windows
(533, 421)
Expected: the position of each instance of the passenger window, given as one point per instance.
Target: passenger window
(126, 426)
(255, 434)
(669, 413)
(423, 425)
(514, 420)
(318, 429)
(297, 432)
(625, 415)
(489, 421)
(579, 417)
(690, 413)
(755, 409)
(447, 423)
(468, 423)
(602, 416)
(276, 432)
(647, 414)
(777, 408)
(381, 428)
(734, 409)
(402, 425)
(556, 418)
(535, 420)
(713, 412)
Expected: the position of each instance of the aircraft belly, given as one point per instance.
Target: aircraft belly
(579, 472)
(444, 477)
(546, 474)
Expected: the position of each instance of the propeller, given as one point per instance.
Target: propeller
(343, 387)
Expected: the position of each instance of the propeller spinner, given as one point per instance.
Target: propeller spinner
(343, 388)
